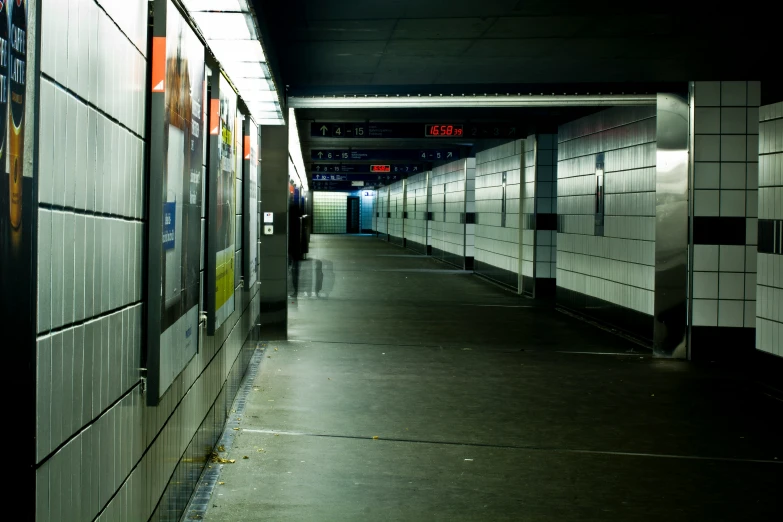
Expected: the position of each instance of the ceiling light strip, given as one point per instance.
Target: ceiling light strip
(533, 100)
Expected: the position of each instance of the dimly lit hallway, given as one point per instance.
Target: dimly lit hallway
(485, 406)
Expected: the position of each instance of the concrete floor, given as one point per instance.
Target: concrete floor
(486, 406)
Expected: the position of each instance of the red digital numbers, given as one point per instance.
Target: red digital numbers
(443, 130)
(380, 168)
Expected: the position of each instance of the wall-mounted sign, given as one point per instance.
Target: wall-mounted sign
(177, 133)
(269, 217)
(384, 154)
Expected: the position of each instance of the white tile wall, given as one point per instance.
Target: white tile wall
(448, 203)
(416, 206)
(619, 266)
(496, 245)
(726, 184)
(100, 451)
(381, 208)
(769, 290)
(539, 196)
(397, 208)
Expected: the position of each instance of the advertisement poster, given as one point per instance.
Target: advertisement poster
(17, 198)
(225, 212)
(175, 196)
(250, 181)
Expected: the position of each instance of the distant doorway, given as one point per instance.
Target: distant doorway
(353, 225)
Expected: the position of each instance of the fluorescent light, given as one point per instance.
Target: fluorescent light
(226, 26)
(256, 96)
(246, 70)
(215, 5)
(237, 50)
(270, 121)
(254, 84)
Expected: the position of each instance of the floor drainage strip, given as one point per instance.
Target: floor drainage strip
(202, 495)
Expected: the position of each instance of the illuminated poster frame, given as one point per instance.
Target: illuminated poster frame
(174, 247)
(221, 195)
(250, 193)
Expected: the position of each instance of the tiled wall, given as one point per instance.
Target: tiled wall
(330, 212)
(726, 125)
(416, 207)
(100, 451)
(769, 306)
(397, 210)
(539, 210)
(448, 206)
(497, 243)
(613, 272)
(381, 209)
(368, 209)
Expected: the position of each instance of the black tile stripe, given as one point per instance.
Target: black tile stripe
(770, 239)
(718, 230)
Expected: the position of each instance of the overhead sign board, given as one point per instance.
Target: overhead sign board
(356, 177)
(401, 167)
(434, 129)
(384, 154)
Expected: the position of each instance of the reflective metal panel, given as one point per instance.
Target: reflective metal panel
(671, 226)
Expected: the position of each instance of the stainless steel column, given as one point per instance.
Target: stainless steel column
(671, 226)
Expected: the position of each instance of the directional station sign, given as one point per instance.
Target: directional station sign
(433, 129)
(384, 154)
(412, 168)
(357, 177)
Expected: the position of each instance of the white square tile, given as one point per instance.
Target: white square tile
(750, 287)
(707, 94)
(751, 259)
(752, 182)
(733, 93)
(754, 94)
(707, 175)
(733, 120)
(732, 203)
(752, 147)
(707, 148)
(731, 285)
(705, 258)
(705, 312)
(707, 203)
(750, 314)
(705, 285)
(733, 148)
(753, 120)
(732, 258)
(733, 175)
(707, 120)
(731, 313)
(752, 203)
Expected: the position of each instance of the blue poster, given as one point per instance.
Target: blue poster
(169, 220)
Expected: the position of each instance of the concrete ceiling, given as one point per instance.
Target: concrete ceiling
(347, 46)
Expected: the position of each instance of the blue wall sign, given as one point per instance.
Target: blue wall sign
(169, 218)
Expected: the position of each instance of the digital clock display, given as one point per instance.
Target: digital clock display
(380, 168)
(442, 130)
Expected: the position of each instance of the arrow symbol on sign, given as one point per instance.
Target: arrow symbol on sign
(320, 155)
(323, 130)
